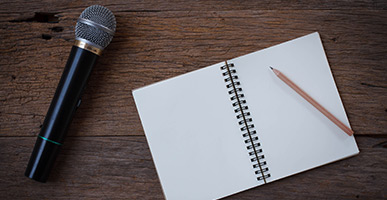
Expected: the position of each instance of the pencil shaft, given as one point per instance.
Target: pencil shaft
(308, 98)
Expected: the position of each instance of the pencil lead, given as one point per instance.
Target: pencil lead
(271, 68)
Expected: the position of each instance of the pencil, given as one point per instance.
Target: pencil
(308, 98)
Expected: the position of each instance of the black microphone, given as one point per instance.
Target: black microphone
(93, 32)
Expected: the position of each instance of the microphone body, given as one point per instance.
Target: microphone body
(65, 102)
(93, 32)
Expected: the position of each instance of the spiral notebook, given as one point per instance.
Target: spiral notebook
(234, 125)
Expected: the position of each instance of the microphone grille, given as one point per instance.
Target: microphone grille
(97, 25)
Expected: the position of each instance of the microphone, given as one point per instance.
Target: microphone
(93, 32)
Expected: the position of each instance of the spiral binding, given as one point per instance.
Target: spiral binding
(245, 122)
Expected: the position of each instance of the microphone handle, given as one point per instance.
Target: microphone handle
(65, 102)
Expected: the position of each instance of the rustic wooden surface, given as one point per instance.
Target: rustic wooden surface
(106, 155)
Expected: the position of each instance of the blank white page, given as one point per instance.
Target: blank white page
(195, 142)
(294, 135)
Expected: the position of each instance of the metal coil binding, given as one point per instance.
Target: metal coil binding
(245, 122)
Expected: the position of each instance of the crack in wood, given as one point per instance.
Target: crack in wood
(57, 29)
(370, 85)
(380, 145)
(46, 36)
(43, 17)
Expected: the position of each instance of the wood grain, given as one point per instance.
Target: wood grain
(106, 155)
(150, 47)
(122, 167)
(19, 7)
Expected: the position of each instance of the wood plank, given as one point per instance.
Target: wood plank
(153, 46)
(122, 167)
(25, 10)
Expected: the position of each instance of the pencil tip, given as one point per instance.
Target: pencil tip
(271, 68)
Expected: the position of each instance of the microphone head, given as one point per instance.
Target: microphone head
(96, 26)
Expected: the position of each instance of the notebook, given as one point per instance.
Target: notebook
(205, 146)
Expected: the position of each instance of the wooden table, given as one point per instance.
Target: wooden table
(106, 155)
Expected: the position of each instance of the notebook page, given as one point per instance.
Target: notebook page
(294, 135)
(196, 144)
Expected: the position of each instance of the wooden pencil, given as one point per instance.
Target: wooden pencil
(308, 98)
